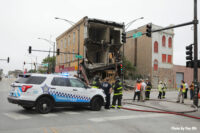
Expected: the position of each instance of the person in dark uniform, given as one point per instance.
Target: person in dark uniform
(117, 93)
(106, 86)
(96, 83)
(148, 89)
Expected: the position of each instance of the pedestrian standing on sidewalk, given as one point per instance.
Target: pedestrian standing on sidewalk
(164, 90)
(148, 89)
(160, 86)
(186, 90)
(137, 90)
(106, 86)
(117, 93)
(181, 93)
(192, 91)
(142, 91)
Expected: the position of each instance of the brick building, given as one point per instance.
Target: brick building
(100, 42)
(183, 73)
(152, 57)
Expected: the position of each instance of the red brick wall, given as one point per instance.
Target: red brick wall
(188, 73)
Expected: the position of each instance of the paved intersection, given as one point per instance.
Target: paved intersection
(13, 119)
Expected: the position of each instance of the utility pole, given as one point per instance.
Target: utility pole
(195, 100)
(78, 49)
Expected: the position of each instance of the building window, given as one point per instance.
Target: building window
(170, 42)
(65, 43)
(68, 59)
(163, 41)
(64, 58)
(73, 37)
(61, 44)
(155, 47)
(60, 59)
(68, 40)
(73, 55)
(163, 58)
(169, 59)
(155, 67)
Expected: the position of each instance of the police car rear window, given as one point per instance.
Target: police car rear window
(35, 80)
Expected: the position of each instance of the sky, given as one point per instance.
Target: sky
(22, 22)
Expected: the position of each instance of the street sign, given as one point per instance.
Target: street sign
(138, 34)
(45, 65)
(79, 56)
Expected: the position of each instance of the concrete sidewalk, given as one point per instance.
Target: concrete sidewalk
(169, 104)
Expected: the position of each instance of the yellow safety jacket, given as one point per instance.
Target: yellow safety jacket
(160, 87)
(183, 88)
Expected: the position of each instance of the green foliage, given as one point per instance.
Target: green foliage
(49, 61)
(32, 71)
(129, 69)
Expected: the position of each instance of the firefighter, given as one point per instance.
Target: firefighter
(181, 93)
(160, 86)
(96, 83)
(117, 93)
(148, 89)
(164, 90)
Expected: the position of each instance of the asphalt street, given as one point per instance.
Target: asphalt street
(14, 119)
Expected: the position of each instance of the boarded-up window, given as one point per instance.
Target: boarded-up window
(155, 67)
(155, 47)
(163, 58)
(170, 42)
(163, 41)
(169, 59)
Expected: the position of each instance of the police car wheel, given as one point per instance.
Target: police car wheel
(44, 105)
(27, 107)
(96, 104)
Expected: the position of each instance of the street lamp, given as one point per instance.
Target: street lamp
(125, 28)
(53, 45)
(72, 23)
(130, 23)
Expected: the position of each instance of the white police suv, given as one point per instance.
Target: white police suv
(44, 92)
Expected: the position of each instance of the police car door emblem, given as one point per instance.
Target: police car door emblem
(45, 89)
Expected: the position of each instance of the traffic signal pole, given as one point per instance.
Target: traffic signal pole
(195, 99)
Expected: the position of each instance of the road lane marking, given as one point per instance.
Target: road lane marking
(113, 118)
(49, 115)
(16, 116)
(72, 113)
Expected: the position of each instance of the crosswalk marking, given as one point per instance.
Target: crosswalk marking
(17, 116)
(102, 119)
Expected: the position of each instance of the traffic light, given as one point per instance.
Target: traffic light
(24, 63)
(121, 67)
(58, 51)
(189, 52)
(29, 49)
(8, 60)
(124, 37)
(148, 30)
(189, 56)
(34, 63)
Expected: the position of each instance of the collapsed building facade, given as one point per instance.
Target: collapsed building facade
(98, 42)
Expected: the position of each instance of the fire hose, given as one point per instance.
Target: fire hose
(158, 110)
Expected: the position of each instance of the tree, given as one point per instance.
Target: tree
(129, 69)
(50, 61)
